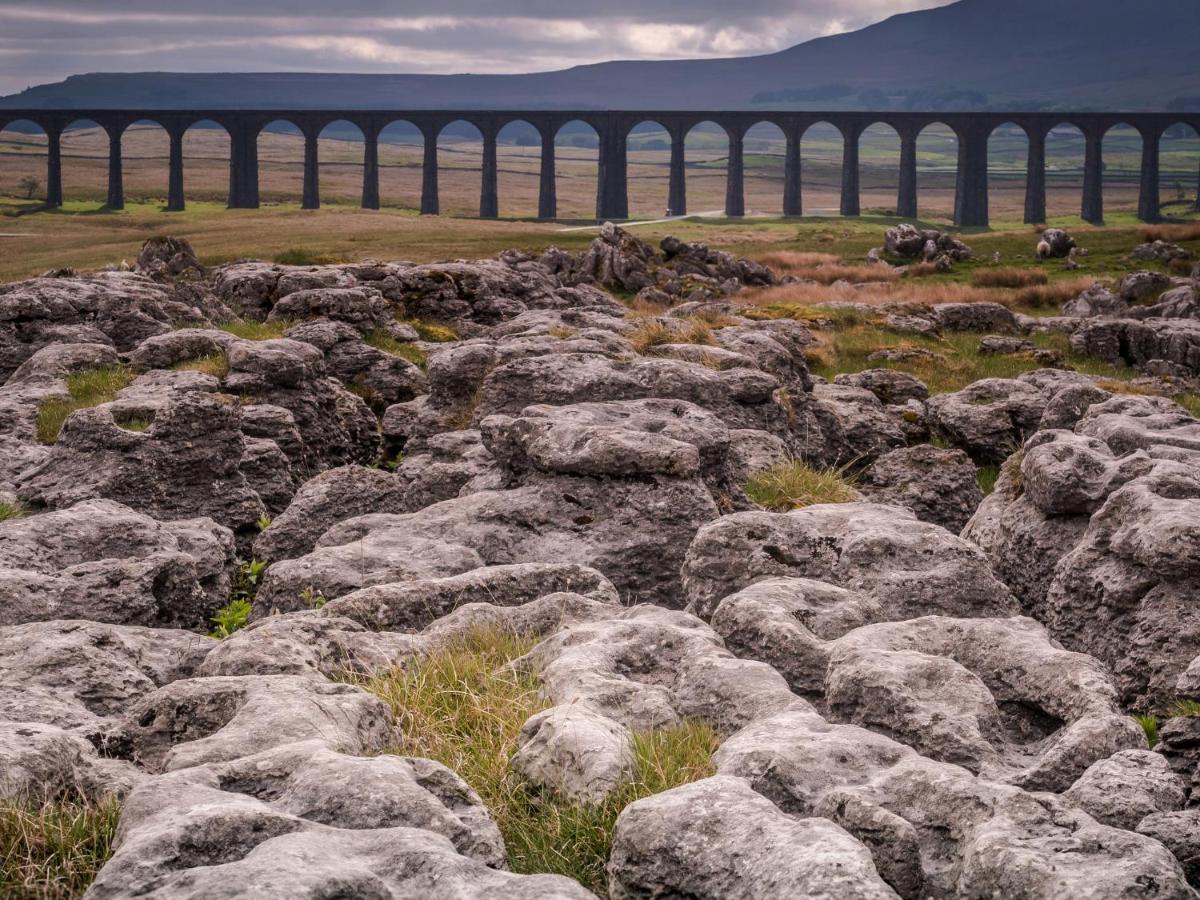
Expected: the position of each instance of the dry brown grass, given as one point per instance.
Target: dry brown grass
(655, 332)
(921, 270)
(1009, 278)
(851, 274)
(1172, 233)
(1044, 296)
(788, 262)
(920, 292)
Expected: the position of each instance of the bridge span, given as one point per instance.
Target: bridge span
(972, 130)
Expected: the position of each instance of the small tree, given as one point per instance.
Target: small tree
(30, 184)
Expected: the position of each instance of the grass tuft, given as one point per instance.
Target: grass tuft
(795, 484)
(380, 339)
(464, 706)
(434, 332)
(10, 511)
(1191, 403)
(52, 850)
(987, 476)
(655, 333)
(88, 388)
(1184, 709)
(1149, 725)
(216, 365)
(250, 330)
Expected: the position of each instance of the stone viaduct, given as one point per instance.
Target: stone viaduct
(972, 131)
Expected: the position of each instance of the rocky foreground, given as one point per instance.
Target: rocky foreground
(921, 693)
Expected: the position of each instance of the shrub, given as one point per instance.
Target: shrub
(230, 618)
(380, 339)
(250, 330)
(464, 705)
(87, 388)
(795, 484)
(300, 256)
(1009, 278)
(53, 849)
(216, 365)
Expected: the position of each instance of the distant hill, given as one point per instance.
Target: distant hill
(1027, 54)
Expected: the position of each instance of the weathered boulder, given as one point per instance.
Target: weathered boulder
(120, 308)
(101, 561)
(910, 567)
(718, 839)
(322, 502)
(933, 828)
(1126, 788)
(574, 752)
(889, 385)
(184, 463)
(940, 486)
(1095, 301)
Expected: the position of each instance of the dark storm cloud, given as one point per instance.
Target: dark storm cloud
(49, 40)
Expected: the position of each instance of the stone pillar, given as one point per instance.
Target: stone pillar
(430, 205)
(54, 192)
(175, 198)
(1035, 179)
(677, 192)
(489, 194)
(971, 189)
(1092, 209)
(547, 186)
(850, 192)
(243, 166)
(906, 197)
(793, 191)
(1149, 202)
(312, 173)
(612, 189)
(370, 186)
(735, 175)
(116, 186)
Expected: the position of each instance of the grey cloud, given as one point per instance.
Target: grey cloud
(49, 40)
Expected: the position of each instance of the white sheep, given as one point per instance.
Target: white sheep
(1043, 250)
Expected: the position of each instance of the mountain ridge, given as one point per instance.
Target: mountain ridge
(1000, 54)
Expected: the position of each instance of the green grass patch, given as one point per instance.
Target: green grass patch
(434, 332)
(464, 706)
(380, 339)
(53, 850)
(87, 388)
(10, 511)
(795, 484)
(1190, 402)
(216, 365)
(950, 363)
(257, 331)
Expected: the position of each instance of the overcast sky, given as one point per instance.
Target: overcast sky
(49, 39)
